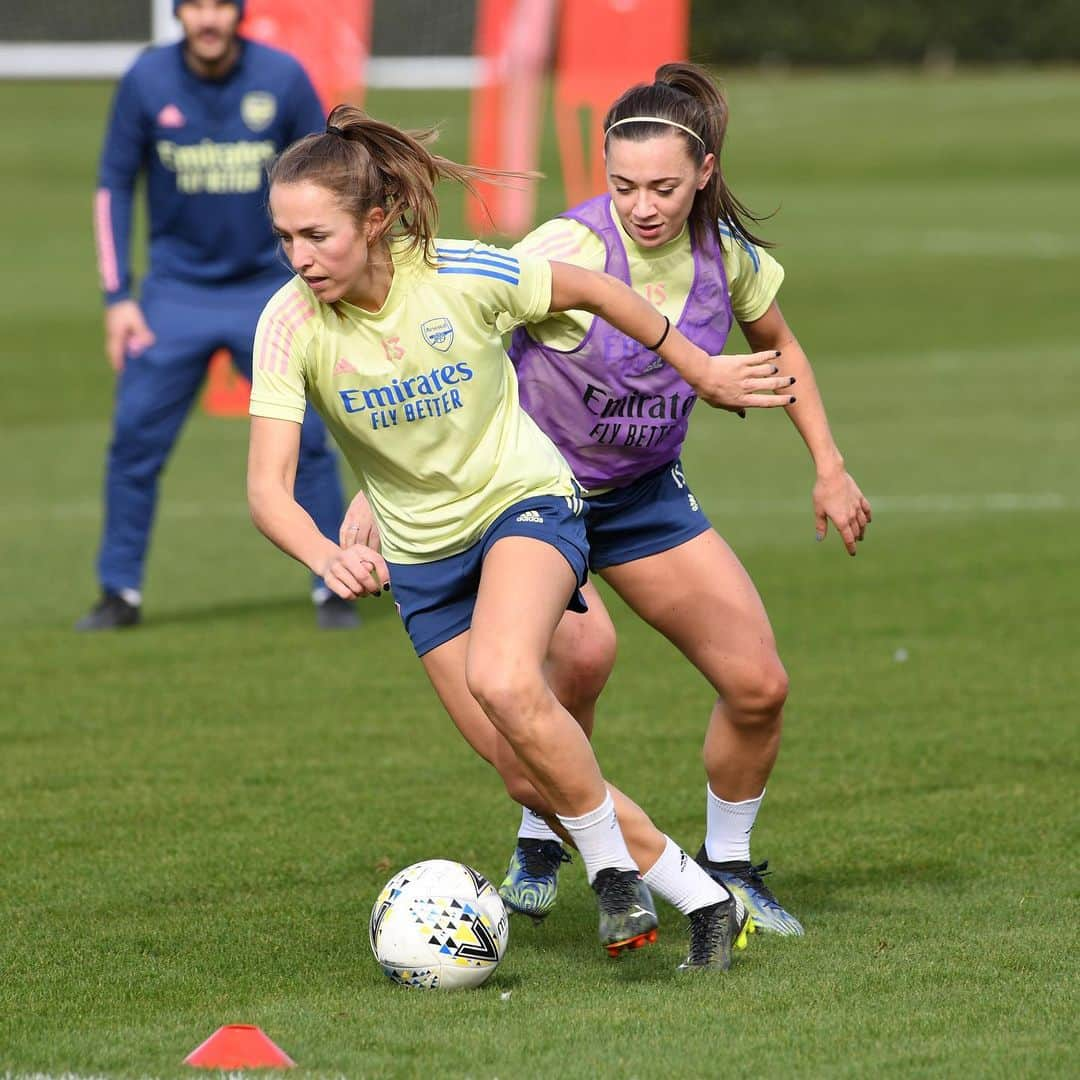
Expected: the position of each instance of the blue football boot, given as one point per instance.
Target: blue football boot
(532, 878)
(743, 880)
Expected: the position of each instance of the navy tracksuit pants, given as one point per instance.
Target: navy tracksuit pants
(154, 395)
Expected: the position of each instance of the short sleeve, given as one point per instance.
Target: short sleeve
(564, 240)
(278, 360)
(754, 277)
(504, 282)
(558, 240)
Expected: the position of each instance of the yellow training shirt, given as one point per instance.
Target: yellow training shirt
(662, 275)
(420, 395)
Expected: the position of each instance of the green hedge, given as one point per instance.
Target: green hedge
(806, 32)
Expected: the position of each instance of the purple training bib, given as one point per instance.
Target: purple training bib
(615, 409)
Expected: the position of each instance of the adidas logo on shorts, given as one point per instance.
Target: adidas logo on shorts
(532, 516)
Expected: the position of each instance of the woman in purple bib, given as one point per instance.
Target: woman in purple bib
(670, 227)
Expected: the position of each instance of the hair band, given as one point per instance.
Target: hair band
(333, 129)
(655, 120)
(663, 336)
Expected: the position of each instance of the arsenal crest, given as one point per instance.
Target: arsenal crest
(258, 109)
(438, 333)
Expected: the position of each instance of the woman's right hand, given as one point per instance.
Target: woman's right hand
(737, 383)
(355, 572)
(126, 333)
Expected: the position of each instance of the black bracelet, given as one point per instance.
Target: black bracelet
(663, 336)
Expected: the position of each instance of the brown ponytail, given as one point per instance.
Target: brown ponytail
(366, 163)
(686, 95)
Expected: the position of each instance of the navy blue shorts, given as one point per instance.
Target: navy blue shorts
(653, 514)
(436, 599)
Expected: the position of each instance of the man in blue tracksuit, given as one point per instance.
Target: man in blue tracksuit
(201, 119)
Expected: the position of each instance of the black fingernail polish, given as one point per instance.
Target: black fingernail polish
(741, 414)
(777, 352)
(791, 401)
(775, 370)
(792, 383)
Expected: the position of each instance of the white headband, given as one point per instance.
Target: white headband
(655, 120)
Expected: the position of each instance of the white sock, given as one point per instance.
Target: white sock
(599, 839)
(534, 827)
(131, 596)
(681, 882)
(728, 827)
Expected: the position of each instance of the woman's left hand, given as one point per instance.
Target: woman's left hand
(358, 526)
(355, 572)
(837, 498)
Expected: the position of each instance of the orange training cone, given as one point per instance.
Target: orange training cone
(227, 391)
(239, 1046)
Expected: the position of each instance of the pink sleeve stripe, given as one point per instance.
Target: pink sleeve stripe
(292, 318)
(103, 233)
(557, 247)
(281, 339)
(289, 316)
(268, 354)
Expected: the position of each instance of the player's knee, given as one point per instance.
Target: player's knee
(520, 789)
(760, 699)
(594, 661)
(509, 694)
(578, 675)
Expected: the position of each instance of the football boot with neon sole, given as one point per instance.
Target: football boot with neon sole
(627, 912)
(532, 878)
(715, 931)
(744, 880)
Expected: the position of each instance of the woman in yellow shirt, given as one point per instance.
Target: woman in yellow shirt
(392, 334)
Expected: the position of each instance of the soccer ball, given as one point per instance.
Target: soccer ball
(439, 925)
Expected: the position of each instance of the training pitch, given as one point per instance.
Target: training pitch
(196, 816)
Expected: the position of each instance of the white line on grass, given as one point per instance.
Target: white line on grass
(78, 1076)
(53, 1076)
(999, 503)
(944, 503)
(968, 243)
(1004, 502)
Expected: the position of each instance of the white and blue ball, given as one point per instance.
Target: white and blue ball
(439, 925)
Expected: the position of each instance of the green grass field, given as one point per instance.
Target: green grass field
(196, 817)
